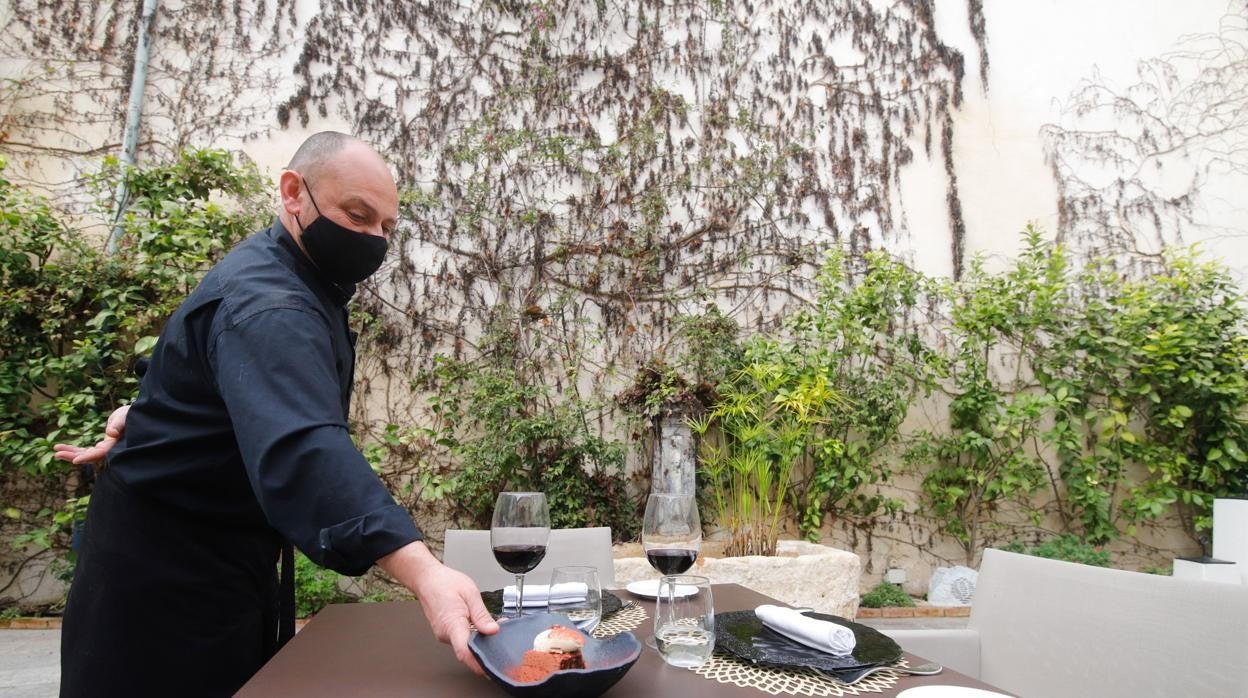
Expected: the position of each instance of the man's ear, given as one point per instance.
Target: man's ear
(290, 186)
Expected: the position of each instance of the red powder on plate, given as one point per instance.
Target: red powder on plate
(527, 674)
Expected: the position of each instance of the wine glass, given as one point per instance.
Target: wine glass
(518, 535)
(671, 533)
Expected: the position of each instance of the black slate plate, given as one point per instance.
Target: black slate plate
(494, 603)
(742, 634)
(606, 661)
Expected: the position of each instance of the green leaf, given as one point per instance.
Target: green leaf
(143, 347)
(1233, 450)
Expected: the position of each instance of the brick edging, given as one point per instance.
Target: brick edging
(31, 624)
(915, 612)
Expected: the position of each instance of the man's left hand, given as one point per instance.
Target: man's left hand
(112, 431)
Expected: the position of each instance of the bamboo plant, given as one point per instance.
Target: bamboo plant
(756, 437)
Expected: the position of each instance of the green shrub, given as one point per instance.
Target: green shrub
(753, 441)
(886, 594)
(316, 587)
(1063, 376)
(804, 420)
(383, 596)
(74, 319)
(862, 333)
(1066, 547)
(500, 426)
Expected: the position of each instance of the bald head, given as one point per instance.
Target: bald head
(350, 181)
(318, 150)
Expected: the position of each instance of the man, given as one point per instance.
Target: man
(238, 444)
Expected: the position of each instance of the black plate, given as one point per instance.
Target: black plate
(494, 603)
(742, 634)
(606, 661)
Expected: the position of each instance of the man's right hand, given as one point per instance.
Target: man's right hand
(448, 597)
(112, 431)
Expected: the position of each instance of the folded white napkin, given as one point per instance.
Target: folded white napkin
(812, 632)
(542, 594)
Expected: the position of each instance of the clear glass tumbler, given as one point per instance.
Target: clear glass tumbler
(684, 620)
(576, 593)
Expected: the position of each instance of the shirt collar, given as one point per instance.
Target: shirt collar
(338, 293)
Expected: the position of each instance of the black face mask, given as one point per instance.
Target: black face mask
(343, 256)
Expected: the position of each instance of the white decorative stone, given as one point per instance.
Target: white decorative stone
(801, 574)
(952, 586)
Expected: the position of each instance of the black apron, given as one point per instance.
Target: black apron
(165, 603)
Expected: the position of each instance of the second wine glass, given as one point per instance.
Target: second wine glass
(671, 533)
(519, 531)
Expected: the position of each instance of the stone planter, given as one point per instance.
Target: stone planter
(805, 575)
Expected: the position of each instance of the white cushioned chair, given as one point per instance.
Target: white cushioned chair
(469, 552)
(1045, 628)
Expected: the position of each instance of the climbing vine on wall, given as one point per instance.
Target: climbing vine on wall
(1131, 163)
(595, 171)
(581, 175)
(214, 70)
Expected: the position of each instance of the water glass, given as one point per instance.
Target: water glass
(584, 612)
(684, 620)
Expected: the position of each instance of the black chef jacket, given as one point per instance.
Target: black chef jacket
(238, 440)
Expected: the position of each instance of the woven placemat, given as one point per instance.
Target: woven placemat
(726, 668)
(628, 618)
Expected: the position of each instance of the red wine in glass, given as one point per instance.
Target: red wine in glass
(518, 559)
(671, 560)
(671, 534)
(519, 531)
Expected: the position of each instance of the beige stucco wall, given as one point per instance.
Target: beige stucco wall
(1039, 51)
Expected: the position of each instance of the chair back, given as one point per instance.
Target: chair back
(1052, 628)
(469, 552)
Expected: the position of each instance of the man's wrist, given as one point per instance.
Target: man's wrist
(409, 563)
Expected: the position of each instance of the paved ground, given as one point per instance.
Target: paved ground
(30, 663)
(30, 659)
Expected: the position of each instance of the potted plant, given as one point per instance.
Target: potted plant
(753, 439)
(753, 442)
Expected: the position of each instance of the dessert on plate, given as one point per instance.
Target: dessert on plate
(555, 649)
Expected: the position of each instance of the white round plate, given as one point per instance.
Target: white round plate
(649, 588)
(949, 692)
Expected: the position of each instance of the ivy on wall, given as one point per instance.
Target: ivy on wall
(1130, 163)
(601, 166)
(593, 172)
(214, 72)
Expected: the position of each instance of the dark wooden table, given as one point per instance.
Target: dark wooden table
(387, 649)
